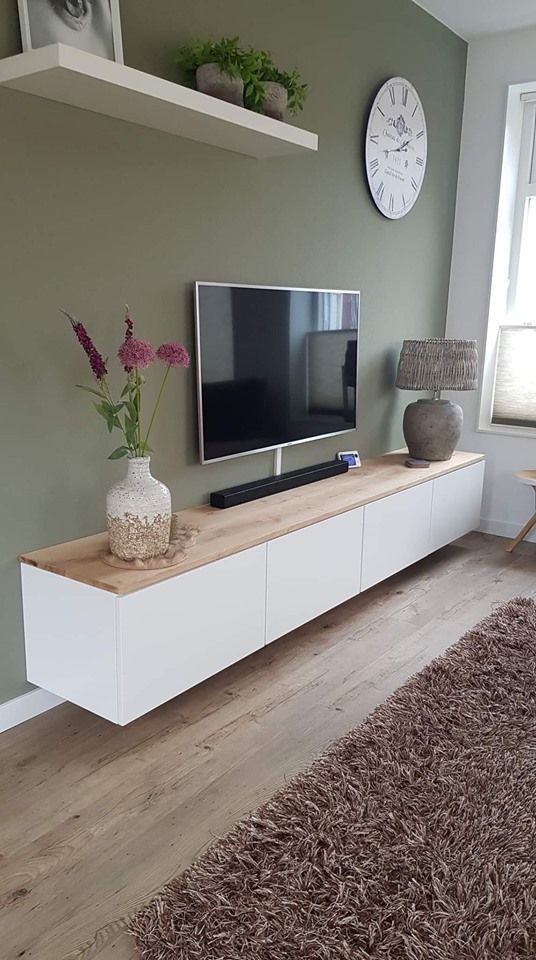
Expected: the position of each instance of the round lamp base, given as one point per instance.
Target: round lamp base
(432, 429)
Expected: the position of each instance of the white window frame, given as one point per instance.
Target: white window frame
(515, 187)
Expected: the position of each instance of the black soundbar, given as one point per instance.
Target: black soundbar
(245, 492)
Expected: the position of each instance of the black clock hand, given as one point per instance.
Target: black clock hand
(403, 145)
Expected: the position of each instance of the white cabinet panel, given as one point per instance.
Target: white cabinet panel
(311, 571)
(456, 504)
(396, 533)
(177, 633)
(69, 631)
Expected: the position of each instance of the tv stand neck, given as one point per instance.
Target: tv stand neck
(278, 461)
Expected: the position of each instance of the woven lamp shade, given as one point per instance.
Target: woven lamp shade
(438, 365)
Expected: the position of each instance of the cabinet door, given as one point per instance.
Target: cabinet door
(69, 630)
(177, 633)
(456, 504)
(311, 571)
(396, 533)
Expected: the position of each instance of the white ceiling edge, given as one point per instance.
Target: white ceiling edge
(471, 19)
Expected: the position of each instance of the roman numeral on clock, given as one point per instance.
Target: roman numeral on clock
(381, 111)
(414, 183)
(405, 92)
(380, 191)
(391, 204)
(419, 161)
(392, 95)
(420, 135)
(374, 166)
(374, 138)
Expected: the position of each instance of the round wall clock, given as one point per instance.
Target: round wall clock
(396, 148)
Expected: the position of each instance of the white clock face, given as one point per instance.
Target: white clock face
(396, 148)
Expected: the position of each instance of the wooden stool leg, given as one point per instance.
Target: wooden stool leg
(522, 533)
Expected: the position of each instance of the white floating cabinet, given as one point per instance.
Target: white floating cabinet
(70, 632)
(311, 571)
(123, 656)
(400, 529)
(67, 75)
(456, 505)
(396, 533)
(120, 643)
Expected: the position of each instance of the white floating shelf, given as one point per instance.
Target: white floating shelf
(67, 75)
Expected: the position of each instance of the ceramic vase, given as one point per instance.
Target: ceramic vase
(138, 514)
(432, 428)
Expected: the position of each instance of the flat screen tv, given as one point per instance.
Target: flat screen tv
(275, 366)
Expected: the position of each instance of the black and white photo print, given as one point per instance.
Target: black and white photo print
(90, 25)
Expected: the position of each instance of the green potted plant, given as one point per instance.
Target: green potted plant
(283, 90)
(269, 90)
(225, 70)
(214, 67)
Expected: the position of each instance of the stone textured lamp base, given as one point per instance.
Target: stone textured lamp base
(432, 428)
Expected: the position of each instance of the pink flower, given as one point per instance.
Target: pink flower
(96, 361)
(135, 353)
(174, 355)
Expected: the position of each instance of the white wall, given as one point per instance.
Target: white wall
(493, 63)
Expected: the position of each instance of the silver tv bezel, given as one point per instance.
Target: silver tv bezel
(276, 446)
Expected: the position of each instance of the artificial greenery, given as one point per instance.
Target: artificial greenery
(293, 84)
(254, 67)
(225, 52)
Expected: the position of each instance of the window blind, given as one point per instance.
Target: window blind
(514, 400)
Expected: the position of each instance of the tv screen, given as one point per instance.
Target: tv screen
(275, 366)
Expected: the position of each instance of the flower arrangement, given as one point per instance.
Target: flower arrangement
(135, 356)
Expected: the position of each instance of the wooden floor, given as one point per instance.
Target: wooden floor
(95, 818)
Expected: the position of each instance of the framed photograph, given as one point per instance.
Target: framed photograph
(90, 25)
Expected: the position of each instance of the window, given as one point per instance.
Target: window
(508, 403)
(514, 395)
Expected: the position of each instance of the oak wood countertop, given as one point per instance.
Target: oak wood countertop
(226, 532)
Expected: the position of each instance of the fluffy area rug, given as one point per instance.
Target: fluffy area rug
(412, 838)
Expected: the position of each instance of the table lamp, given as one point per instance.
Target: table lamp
(433, 427)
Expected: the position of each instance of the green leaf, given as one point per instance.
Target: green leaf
(98, 393)
(126, 389)
(130, 431)
(112, 422)
(102, 409)
(118, 453)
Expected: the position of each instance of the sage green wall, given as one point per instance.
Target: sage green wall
(94, 213)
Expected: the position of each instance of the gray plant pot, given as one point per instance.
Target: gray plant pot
(275, 100)
(211, 79)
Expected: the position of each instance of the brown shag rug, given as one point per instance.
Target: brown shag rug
(412, 838)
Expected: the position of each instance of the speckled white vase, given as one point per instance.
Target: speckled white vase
(138, 514)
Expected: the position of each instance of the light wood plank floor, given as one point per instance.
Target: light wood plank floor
(95, 819)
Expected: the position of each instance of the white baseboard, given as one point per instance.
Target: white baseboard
(503, 528)
(23, 708)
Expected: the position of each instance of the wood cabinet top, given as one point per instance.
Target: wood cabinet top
(225, 532)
